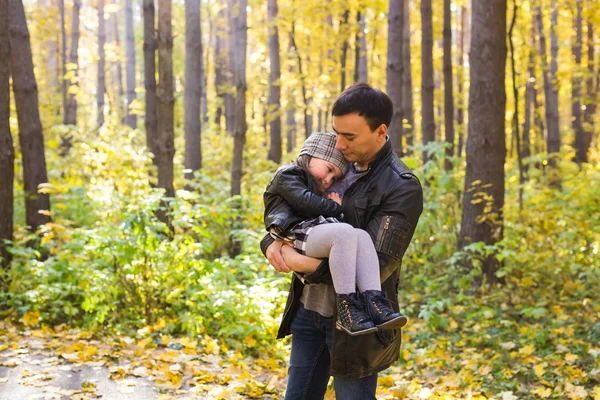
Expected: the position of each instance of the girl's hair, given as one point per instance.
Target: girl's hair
(303, 161)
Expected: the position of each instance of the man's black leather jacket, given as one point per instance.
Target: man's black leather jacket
(387, 203)
(290, 198)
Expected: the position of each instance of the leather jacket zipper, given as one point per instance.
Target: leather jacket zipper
(385, 229)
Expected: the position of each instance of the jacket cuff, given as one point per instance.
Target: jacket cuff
(265, 243)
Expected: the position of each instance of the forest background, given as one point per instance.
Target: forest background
(131, 203)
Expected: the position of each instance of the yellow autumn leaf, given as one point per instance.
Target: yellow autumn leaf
(571, 358)
(542, 392)
(596, 393)
(539, 370)
(575, 392)
(31, 318)
(249, 341)
(527, 350)
(386, 381)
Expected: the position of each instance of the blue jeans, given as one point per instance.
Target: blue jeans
(308, 373)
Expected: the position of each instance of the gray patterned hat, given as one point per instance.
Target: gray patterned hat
(322, 145)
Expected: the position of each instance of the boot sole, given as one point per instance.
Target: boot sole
(396, 323)
(357, 333)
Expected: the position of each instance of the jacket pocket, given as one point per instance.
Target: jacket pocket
(393, 237)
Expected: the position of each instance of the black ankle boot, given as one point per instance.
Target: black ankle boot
(351, 316)
(379, 308)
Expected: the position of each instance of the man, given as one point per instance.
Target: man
(381, 196)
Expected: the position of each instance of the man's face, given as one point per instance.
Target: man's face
(356, 140)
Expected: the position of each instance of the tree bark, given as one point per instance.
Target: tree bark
(427, 85)
(63, 55)
(580, 139)
(220, 65)
(166, 137)
(118, 69)
(460, 112)
(192, 88)
(274, 85)
(290, 120)
(483, 201)
(239, 34)
(591, 89)
(448, 86)
(31, 137)
(101, 91)
(343, 57)
(150, 121)
(7, 151)
(550, 90)
(363, 72)
(70, 117)
(529, 103)
(408, 117)
(394, 71)
(131, 118)
(305, 99)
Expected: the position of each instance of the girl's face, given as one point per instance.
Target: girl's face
(323, 173)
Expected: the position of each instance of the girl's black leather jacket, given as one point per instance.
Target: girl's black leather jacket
(291, 198)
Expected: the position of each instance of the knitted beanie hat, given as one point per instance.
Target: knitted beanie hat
(322, 145)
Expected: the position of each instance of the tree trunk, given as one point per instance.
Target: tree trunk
(7, 151)
(274, 85)
(591, 89)
(483, 201)
(220, 65)
(131, 118)
(290, 120)
(448, 86)
(550, 90)
(192, 88)
(165, 146)
(408, 122)
(70, 117)
(305, 99)
(427, 85)
(529, 102)
(31, 137)
(101, 91)
(203, 69)
(118, 69)
(150, 120)
(63, 55)
(394, 71)
(344, 37)
(460, 113)
(239, 34)
(580, 140)
(361, 39)
(228, 96)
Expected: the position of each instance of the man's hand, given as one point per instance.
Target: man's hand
(275, 258)
(335, 197)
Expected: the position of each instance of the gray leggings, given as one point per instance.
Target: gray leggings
(352, 257)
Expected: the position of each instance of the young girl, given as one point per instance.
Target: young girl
(298, 211)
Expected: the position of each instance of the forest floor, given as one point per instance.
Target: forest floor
(70, 364)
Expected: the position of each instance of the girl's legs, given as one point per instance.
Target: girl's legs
(367, 263)
(338, 242)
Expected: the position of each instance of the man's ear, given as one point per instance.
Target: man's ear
(382, 131)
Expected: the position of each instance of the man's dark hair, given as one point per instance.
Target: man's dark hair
(372, 104)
